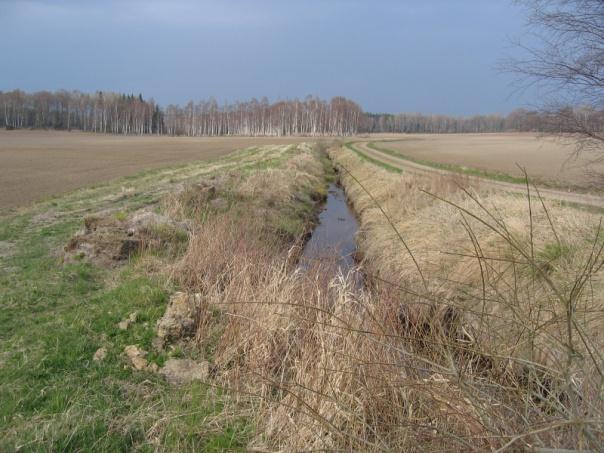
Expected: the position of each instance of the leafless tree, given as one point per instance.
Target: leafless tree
(106, 112)
(412, 123)
(311, 117)
(566, 61)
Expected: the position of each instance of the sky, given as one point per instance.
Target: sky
(428, 56)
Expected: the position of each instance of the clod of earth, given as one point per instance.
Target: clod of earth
(110, 241)
(205, 192)
(184, 371)
(136, 357)
(100, 354)
(180, 318)
(123, 325)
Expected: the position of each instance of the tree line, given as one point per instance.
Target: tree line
(116, 113)
(66, 110)
(311, 116)
(520, 120)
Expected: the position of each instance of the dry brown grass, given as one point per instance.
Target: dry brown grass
(476, 247)
(330, 369)
(502, 293)
(479, 327)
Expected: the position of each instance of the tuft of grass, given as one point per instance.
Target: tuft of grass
(121, 216)
(551, 255)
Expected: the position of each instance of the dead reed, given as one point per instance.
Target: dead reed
(480, 326)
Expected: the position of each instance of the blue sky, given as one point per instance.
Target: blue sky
(390, 56)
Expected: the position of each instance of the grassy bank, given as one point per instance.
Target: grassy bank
(460, 340)
(56, 314)
(488, 310)
(478, 327)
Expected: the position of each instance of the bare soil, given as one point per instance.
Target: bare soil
(38, 164)
(545, 159)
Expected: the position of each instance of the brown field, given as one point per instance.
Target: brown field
(544, 158)
(38, 164)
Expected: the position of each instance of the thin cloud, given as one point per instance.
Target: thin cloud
(144, 12)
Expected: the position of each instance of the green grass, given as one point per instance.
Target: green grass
(53, 319)
(496, 176)
(172, 239)
(53, 396)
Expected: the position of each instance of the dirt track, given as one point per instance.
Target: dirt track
(38, 164)
(545, 159)
(406, 165)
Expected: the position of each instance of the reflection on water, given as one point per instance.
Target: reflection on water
(333, 240)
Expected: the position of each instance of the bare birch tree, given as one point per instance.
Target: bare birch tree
(106, 112)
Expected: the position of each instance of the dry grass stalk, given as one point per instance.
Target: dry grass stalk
(498, 350)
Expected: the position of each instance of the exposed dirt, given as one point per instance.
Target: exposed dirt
(184, 371)
(109, 241)
(136, 357)
(546, 159)
(38, 164)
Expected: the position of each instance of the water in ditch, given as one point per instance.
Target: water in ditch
(333, 240)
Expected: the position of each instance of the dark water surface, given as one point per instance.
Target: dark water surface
(333, 240)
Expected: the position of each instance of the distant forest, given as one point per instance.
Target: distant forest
(115, 113)
(128, 114)
(519, 120)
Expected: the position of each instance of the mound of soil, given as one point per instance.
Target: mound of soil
(110, 241)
